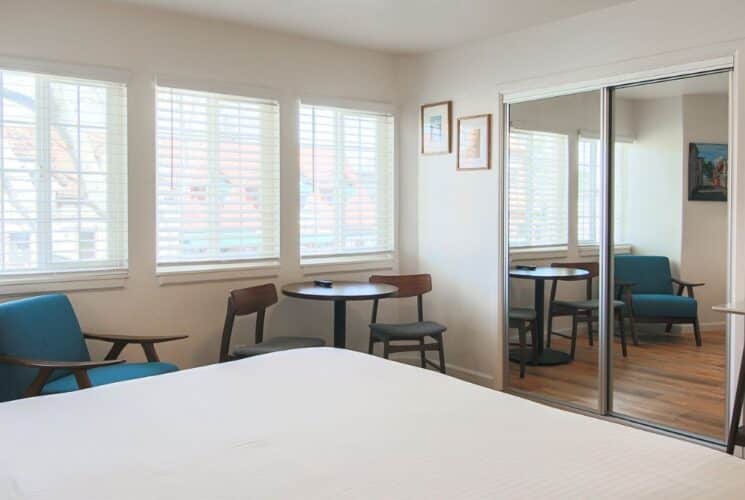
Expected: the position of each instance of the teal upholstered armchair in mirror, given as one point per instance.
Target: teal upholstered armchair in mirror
(645, 284)
(43, 351)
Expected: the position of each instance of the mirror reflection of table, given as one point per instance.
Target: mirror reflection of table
(541, 355)
(736, 435)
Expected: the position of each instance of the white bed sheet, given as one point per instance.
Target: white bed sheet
(328, 423)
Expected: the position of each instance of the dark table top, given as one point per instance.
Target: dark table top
(341, 290)
(549, 273)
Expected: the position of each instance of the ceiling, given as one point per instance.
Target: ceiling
(397, 26)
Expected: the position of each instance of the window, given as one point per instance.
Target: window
(217, 178)
(538, 180)
(346, 182)
(63, 176)
(589, 182)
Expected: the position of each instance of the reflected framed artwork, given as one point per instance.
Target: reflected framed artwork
(436, 128)
(474, 142)
(707, 172)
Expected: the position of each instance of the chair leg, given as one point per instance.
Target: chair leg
(371, 346)
(622, 332)
(697, 332)
(550, 322)
(523, 353)
(386, 348)
(589, 327)
(422, 357)
(632, 326)
(574, 334)
(442, 353)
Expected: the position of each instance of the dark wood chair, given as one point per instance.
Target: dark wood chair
(252, 300)
(400, 337)
(583, 310)
(523, 320)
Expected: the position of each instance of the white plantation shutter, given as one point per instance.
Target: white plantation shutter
(346, 182)
(63, 175)
(538, 185)
(217, 177)
(589, 207)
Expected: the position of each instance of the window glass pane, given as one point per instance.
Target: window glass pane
(346, 181)
(589, 201)
(538, 177)
(218, 177)
(52, 130)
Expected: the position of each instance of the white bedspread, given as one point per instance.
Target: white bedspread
(328, 423)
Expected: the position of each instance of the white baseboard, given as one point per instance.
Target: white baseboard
(473, 376)
(705, 327)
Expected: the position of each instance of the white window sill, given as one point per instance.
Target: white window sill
(199, 273)
(62, 282)
(593, 250)
(538, 253)
(313, 266)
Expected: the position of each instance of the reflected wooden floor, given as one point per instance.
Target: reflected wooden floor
(665, 380)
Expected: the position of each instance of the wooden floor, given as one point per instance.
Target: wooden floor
(665, 380)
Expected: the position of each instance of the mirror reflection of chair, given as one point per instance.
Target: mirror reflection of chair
(523, 320)
(584, 310)
(645, 284)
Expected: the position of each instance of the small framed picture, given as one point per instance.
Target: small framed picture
(436, 126)
(707, 171)
(474, 142)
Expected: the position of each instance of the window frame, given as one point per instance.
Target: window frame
(312, 265)
(70, 277)
(216, 269)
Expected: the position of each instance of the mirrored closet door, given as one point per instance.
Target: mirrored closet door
(670, 235)
(554, 213)
(617, 220)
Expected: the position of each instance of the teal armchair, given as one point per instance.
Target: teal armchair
(645, 284)
(43, 351)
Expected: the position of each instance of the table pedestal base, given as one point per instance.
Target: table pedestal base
(548, 357)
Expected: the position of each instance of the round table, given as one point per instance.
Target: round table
(340, 292)
(543, 356)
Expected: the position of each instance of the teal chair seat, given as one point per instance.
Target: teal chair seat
(109, 374)
(674, 306)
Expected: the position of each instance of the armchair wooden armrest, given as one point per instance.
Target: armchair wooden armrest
(46, 367)
(624, 294)
(686, 285)
(120, 341)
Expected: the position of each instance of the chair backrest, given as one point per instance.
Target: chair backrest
(43, 327)
(242, 302)
(409, 285)
(649, 273)
(592, 267)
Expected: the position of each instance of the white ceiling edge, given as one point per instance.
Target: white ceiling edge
(398, 27)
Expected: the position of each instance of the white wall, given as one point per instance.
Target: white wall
(147, 43)
(704, 245)
(654, 180)
(457, 213)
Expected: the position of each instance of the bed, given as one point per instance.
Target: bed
(331, 423)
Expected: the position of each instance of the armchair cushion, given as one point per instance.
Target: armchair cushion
(43, 327)
(663, 305)
(109, 374)
(649, 274)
